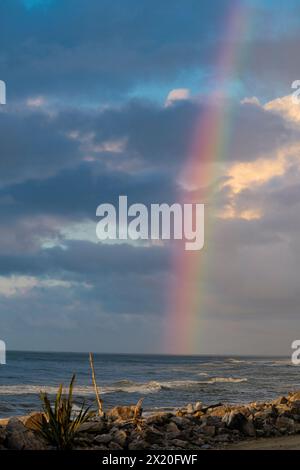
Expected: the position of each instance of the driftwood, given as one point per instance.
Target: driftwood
(98, 398)
(138, 408)
(126, 413)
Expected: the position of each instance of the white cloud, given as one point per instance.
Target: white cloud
(20, 285)
(176, 95)
(35, 102)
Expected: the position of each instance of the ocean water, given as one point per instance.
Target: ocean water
(166, 382)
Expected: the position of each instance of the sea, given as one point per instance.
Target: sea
(165, 382)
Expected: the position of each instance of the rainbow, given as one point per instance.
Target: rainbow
(209, 145)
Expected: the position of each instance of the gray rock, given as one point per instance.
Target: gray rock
(198, 406)
(95, 427)
(120, 437)
(214, 421)
(159, 419)
(179, 443)
(172, 427)
(139, 444)
(206, 447)
(285, 424)
(2, 434)
(82, 442)
(103, 438)
(236, 420)
(295, 407)
(115, 446)
(152, 436)
(222, 438)
(208, 430)
(181, 421)
(248, 429)
(18, 437)
(190, 408)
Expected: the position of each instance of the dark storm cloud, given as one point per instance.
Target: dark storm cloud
(36, 145)
(107, 47)
(120, 278)
(86, 258)
(33, 146)
(75, 194)
(104, 49)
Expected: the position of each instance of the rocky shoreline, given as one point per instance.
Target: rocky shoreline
(194, 427)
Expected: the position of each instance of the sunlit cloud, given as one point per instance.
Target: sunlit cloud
(177, 94)
(248, 175)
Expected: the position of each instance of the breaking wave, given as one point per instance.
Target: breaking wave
(122, 386)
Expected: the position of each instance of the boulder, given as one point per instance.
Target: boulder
(2, 434)
(206, 447)
(212, 420)
(172, 427)
(208, 430)
(152, 435)
(181, 422)
(249, 429)
(198, 406)
(95, 427)
(284, 410)
(120, 437)
(238, 421)
(285, 424)
(103, 439)
(139, 444)
(222, 438)
(18, 437)
(115, 446)
(295, 407)
(82, 442)
(159, 419)
(280, 401)
(267, 414)
(234, 420)
(33, 421)
(179, 443)
(190, 408)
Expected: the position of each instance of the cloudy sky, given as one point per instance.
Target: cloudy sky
(104, 98)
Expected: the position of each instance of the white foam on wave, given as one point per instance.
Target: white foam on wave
(281, 362)
(37, 389)
(227, 380)
(240, 361)
(124, 386)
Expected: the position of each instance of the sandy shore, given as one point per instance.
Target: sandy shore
(271, 443)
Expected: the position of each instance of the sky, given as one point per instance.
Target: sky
(104, 99)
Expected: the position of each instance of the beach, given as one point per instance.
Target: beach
(271, 443)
